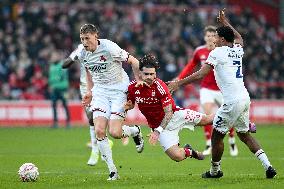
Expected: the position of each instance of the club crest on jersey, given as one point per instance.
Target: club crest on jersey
(102, 58)
(153, 93)
(137, 92)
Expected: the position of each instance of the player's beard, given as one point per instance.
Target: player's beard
(149, 81)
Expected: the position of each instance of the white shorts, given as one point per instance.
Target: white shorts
(210, 96)
(108, 103)
(185, 118)
(235, 114)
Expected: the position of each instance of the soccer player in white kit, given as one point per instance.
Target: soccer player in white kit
(226, 60)
(107, 84)
(73, 58)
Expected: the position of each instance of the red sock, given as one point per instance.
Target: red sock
(187, 152)
(208, 131)
(231, 132)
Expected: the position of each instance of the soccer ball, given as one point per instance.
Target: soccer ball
(28, 172)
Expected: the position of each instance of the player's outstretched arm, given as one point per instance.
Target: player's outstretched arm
(135, 67)
(204, 70)
(68, 62)
(222, 19)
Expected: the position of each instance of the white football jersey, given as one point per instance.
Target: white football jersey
(104, 64)
(80, 53)
(227, 63)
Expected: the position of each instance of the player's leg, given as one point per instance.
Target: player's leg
(93, 160)
(232, 143)
(101, 114)
(255, 148)
(101, 123)
(207, 100)
(54, 97)
(218, 97)
(242, 127)
(223, 118)
(169, 141)
(116, 127)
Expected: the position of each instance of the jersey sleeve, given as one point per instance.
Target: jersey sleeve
(77, 52)
(117, 53)
(164, 93)
(212, 58)
(191, 64)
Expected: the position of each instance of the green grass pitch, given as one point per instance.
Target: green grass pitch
(61, 157)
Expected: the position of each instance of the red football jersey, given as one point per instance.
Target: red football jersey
(151, 100)
(199, 57)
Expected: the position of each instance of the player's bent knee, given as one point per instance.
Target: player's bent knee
(177, 157)
(115, 133)
(175, 153)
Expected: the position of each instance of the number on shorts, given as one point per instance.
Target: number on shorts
(219, 122)
(239, 71)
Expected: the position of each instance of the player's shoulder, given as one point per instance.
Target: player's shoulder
(132, 84)
(201, 48)
(161, 86)
(108, 43)
(218, 51)
(159, 81)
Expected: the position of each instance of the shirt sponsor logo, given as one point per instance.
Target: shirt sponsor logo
(98, 68)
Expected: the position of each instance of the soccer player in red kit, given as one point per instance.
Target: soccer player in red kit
(164, 117)
(210, 94)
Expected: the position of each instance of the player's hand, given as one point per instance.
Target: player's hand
(154, 136)
(86, 100)
(141, 83)
(221, 16)
(173, 86)
(128, 105)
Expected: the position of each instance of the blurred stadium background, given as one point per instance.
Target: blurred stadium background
(35, 33)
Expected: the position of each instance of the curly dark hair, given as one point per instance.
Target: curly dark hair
(89, 28)
(148, 61)
(226, 32)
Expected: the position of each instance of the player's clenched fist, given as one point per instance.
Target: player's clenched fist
(128, 105)
(86, 100)
(154, 136)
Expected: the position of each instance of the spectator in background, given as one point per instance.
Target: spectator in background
(40, 28)
(58, 84)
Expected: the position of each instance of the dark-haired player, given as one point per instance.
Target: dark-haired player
(226, 60)
(163, 116)
(210, 94)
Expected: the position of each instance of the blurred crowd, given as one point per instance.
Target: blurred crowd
(33, 35)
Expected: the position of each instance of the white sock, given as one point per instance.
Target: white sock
(208, 142)
(129, 131)
(232, 140)
(94, 144)
(107, 154)
(215, 167)
(260, 154)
